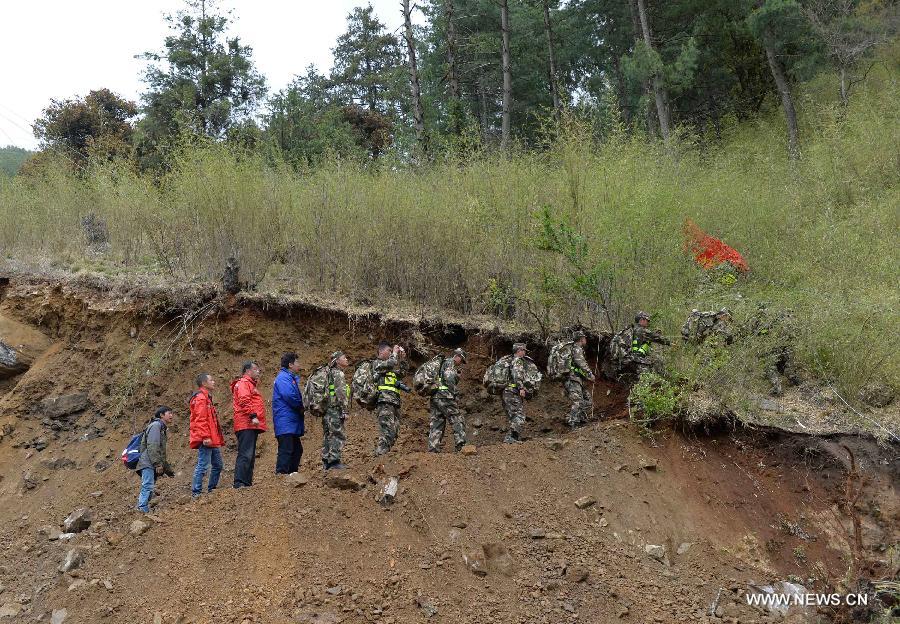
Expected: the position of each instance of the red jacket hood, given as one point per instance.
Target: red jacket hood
(234, 382)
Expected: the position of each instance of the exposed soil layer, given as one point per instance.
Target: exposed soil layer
(731, 509)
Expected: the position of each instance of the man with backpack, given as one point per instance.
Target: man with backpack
(515, 393)
(287, 415)
(388, 368)
(443, 404)
(205, 435)
(629, 350)
(249, 421)
(337, 406)
(152, 462)
(573, 382)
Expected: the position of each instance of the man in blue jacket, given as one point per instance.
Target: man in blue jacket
(287, 415)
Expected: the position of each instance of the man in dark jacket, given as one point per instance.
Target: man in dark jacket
(152, 462)
(287, 415)
(249, 421)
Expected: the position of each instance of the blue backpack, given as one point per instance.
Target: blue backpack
(132, 452)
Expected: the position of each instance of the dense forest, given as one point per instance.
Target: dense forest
(482, 73)
(11, 159)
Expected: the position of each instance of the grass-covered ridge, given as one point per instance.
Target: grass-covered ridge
(820, 234)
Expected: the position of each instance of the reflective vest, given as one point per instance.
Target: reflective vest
(389, 382)
(641, 349)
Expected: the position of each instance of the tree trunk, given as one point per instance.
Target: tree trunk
(418, 114)
(453, 71)
(507, 76)
(554, 80)
(787, 100)
(659, 89)
(482, 98)
(621, 92)
(650, 113)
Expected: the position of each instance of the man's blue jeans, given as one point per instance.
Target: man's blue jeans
(148, 481)
(206, 456)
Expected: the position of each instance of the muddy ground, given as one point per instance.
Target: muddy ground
(491, 537)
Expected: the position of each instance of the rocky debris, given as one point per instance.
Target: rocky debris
(537, 533)
(72, 561)
(296, 479)
(389, 491)
(649, 464)
(78, 521)
(12, 362)
(51, 533)
(61, 463)
(60, 407)
(10, 609)
(683, 547)
(876, 394)
(468, 450)
(58, 616)
(426, 606)
(577, 574)
(498, 559)
(341, 480)
(334, 590)
(139, 527)
(77, 584)
(585, 501)
(114, 537)
(555, 444)
(475, 562)
(656, 551)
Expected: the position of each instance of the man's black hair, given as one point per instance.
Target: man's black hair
(247, 366)
(162, 409)
(201, 378)
(288, 358)
(383, 345)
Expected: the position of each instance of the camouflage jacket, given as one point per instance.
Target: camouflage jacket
(642, 337)
(517, 374)
(338, 390)
(387, 373)
(702, 325)
(448, 378)
(579, 369)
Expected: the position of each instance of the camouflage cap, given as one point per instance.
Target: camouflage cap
(724, 312)
(462, 354)
(519, 346)
(578, 335)
(336, 355)
(641, 315)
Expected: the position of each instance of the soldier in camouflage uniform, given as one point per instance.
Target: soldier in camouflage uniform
(629, 351)
(388, 368)
(701, 326)
(778, 329)
(579, 370)
(444, 407)
(333, 434)
(514, 394)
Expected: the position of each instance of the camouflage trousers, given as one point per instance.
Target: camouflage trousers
(515, 412)
(444, 409)
(333, 436)
(581, 402)
(389, 426)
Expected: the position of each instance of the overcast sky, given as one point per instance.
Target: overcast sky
(61, 48)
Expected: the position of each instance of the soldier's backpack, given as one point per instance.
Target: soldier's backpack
(315, 394)
(362, 386)
(559, 363)
(427, 378)
(620, 345)
(532, 377)
(496, 377)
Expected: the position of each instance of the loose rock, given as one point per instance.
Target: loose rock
(655, 551)
(58, 616)
(297, 479)
(10, 609)
(342, 481)
(389, 491)
(72, 561)
(585, 501)
(139, 527)
(78, 520)
(65, 405)
(469, 449)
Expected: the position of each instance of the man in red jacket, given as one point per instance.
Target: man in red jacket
(206, 435)
(249, 421)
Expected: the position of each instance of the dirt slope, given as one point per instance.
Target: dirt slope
(731, 509)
